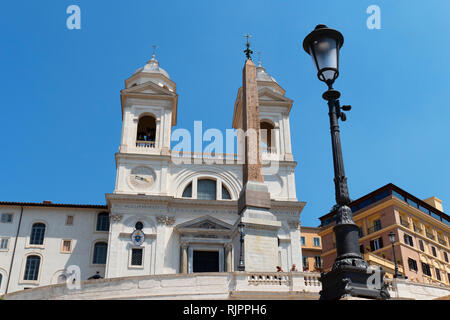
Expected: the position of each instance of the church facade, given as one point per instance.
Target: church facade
(171, 211)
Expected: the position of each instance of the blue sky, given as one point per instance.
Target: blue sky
(61, 116)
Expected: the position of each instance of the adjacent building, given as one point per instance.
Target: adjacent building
(311, 249)
(421, 230)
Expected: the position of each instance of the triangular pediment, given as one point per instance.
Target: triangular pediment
(205, 223)
(268, 94)
(150, 87)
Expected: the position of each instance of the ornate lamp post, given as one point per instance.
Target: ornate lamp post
(392, 239)
(241, 266)
(350, 274)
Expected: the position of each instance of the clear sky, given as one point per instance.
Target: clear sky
(60, 88)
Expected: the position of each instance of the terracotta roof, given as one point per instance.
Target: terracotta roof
(50, 204)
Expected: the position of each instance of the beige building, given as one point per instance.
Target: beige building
(421, 230)
(311, 243)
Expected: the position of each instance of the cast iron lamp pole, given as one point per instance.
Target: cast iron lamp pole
(392, 239)
(241, 266)
(349, 272)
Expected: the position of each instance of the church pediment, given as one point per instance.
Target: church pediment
(204, 224)
(271, 95)
(149, 88)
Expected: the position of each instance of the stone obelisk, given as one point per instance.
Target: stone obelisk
(260, 250)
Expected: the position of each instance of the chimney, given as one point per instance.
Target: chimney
(435, 202)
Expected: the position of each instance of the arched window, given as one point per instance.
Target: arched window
(100, 250)
(103, 221)
(32, 268)
(37, 233)
(266, 137)
(146, 129)
(187, 193)
(139, 225)
(225, 194)
(206, 189)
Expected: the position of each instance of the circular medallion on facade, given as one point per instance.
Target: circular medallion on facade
(142, 177)
(137, 237)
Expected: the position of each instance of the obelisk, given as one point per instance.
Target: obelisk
(261, 227)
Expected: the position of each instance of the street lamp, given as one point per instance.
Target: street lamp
(350, 274)
(392, 239)
(241, 266)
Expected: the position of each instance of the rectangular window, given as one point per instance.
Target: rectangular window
(398, 195)
(318, 262)
(433, 250)
(408, 240)
(305, 263)
(361, 232)
(67, 246)
(69, 221)
(376, 244)
(103, 221)
(303, 241)
(422, 248)
(412, 264)
(136, 257)
(4, 243)
(438, 274)
(445, 256)
(316, 242)
(6, 217)
(412, 203)
(382, 195)
(426, 269)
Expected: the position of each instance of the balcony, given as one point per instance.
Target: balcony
(374, 228)
(145, 144)
(271, 150)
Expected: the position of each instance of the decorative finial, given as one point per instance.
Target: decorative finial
(154, 51)
(247, 51)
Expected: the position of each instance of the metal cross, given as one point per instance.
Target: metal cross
(247, 51)
(154, 49)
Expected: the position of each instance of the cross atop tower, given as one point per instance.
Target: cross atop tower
(154, 50)
(248, 51)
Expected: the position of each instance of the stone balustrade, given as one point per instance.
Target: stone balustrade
(223, 285)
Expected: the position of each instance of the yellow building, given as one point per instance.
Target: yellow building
(421, 230)
(311, 249)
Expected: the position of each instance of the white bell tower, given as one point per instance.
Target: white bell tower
(149, 110)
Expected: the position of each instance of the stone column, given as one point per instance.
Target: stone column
(228, 263)
(113, 260)
(184, 258)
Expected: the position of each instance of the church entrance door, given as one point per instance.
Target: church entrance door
(206, 261)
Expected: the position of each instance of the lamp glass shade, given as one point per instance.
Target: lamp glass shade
(392, 237)
(323, 45)
(325, 55)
